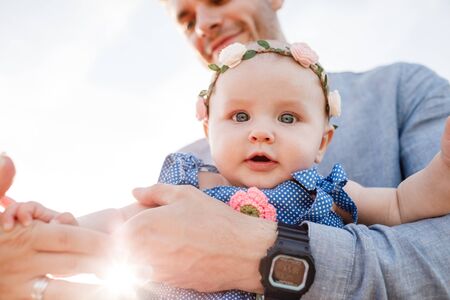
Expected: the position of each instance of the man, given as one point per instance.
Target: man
(390, 128)
(391, 125)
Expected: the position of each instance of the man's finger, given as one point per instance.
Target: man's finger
(6, 201)
(67, 264)
(60, 289)
(7, 172)
(67, 238)
(158, 194)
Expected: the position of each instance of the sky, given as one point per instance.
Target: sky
(95, 93)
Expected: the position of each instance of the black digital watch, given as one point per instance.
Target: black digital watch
(288, 269)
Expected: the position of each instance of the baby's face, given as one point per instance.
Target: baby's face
(266, 120)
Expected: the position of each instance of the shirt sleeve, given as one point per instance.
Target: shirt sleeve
(423, 103)
(408, 261)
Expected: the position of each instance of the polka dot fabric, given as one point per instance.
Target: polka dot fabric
(306, 197)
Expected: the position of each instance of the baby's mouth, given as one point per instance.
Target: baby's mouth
(261, 163)
(260, 158)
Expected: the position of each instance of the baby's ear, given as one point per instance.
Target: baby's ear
(326, 140)
(206, 128)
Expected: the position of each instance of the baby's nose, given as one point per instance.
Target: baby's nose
(261, 136)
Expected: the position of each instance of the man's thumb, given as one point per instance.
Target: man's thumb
(7, 172)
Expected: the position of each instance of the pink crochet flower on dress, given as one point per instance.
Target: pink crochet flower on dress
(201, 112)
(304, 55)
(253, 203)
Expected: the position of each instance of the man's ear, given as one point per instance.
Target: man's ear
(276, 4)
(206, 128)
(326, 140)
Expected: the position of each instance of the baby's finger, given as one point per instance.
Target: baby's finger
(65, 218)
(25, 213)
(445, 142)
(8, 216)
(33, 210)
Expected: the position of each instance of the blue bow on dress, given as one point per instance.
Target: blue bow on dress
(326, 190)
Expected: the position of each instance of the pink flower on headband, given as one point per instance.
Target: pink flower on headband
(304, 55)
(253, 203)
(334, 102)
(201, 112)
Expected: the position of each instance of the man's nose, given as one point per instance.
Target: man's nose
(208, 21)
(261, 136)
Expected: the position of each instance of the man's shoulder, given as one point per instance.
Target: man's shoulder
(391, 72)
(200, 149)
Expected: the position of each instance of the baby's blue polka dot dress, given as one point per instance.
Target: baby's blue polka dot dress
(308, 196)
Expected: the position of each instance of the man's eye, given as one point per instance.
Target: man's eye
(217, 2)
(189, 25)
(241, 117)
(287, 118)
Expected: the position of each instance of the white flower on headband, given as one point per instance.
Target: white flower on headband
(334, 102)
(304, 55)
(232, 55)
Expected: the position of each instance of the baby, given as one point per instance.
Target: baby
(267, 116)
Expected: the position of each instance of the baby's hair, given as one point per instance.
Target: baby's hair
(232, 55)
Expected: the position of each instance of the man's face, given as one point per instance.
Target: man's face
(211, 25)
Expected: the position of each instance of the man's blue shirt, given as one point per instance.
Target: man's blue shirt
(391, 126)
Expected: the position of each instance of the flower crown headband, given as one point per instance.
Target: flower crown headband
(234, 54)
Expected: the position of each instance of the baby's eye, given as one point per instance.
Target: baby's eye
(287, 118)
(241, 117)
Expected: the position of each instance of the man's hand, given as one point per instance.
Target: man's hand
(27, 253)
(194, 241)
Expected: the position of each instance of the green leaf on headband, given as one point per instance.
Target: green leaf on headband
(214, 67)
(203, 93)
(278, 50)
(263, 44)
(249, 54)
(319, 68)
(224, 68)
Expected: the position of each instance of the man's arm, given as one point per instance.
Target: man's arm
(408, 261)
(225, 248)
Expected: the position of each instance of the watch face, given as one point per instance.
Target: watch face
(288, 272)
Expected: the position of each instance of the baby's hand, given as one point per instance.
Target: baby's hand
(445, 143)
(26, 212)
